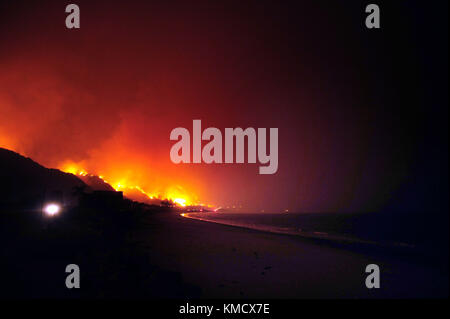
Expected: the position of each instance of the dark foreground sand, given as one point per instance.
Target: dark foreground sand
(231, 262)
(153, 255)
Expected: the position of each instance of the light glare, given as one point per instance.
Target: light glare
(52, 209)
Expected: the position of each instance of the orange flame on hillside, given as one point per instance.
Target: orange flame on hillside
(175, 194)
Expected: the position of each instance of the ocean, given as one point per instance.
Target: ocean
(391, 229)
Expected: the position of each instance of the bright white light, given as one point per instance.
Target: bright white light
(52, 209)
(180, 201)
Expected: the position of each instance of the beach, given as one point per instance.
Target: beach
(141, 254)
(232, 262)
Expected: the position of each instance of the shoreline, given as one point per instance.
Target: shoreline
(232, 262)
(300, 233)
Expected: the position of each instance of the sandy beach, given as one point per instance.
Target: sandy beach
(230, 262)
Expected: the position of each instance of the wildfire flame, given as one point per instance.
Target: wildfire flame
(173, 194)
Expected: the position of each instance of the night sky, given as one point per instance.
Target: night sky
(362, 114)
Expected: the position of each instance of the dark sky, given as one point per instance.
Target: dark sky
(362, 114)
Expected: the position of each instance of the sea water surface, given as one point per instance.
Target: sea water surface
(385, 229)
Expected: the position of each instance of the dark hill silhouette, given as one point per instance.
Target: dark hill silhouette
(98, 233)
(96, 183)
(25, 183)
